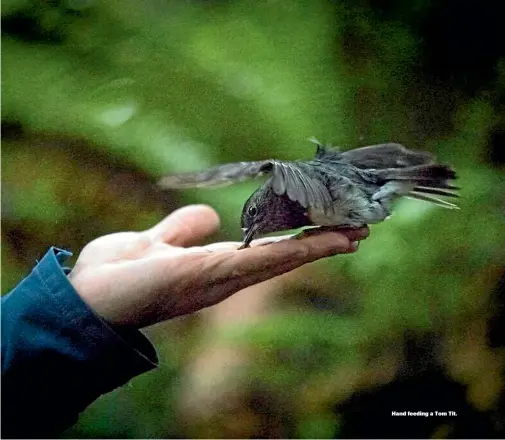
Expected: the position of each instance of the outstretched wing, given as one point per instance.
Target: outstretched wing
(217, 176)
(386, 156)
(288, 178)
(375, 156)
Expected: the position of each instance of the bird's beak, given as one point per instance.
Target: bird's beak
(248, 235)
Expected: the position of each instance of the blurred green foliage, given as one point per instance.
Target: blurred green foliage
(102, 98)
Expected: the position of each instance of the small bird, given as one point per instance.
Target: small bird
(335, 189)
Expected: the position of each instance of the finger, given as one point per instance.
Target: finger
(225, 273)
(355, 234)
(186, 226)
(236, 270)
(351, 234)
(299, 251)
(225, 246)
(267, 260)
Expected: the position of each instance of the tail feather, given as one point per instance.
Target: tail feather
(431, 199)
(428, 176)
(428, 172)
(426, 180)
(438, 191)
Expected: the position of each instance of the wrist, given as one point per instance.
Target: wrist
(99, 303)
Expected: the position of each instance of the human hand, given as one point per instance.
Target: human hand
(141, 278)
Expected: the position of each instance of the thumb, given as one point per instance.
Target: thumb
(186, 226)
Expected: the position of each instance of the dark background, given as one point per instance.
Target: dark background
(102, 98)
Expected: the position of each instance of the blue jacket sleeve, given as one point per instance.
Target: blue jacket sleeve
(58, 356)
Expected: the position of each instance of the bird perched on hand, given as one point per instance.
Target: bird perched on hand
(335, 189)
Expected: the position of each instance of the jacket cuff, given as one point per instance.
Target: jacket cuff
(123, 352)
(131, 340)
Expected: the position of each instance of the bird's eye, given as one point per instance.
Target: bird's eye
(252, 210)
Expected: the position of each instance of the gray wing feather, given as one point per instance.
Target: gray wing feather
(287, 178)
(296, 187)
(308, 193)
(386, 156)
(217, 176)
(290, 179)
(279, 179)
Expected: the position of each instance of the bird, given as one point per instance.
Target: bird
(335, 189)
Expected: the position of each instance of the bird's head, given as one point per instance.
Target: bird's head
(266, 212)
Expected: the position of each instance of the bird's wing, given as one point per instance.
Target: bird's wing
(294, 180)
(217, 176)
(386, 156)
(287, 178)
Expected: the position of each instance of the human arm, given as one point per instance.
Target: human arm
(67, 340)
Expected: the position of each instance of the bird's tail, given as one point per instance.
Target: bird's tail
(427, 181)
